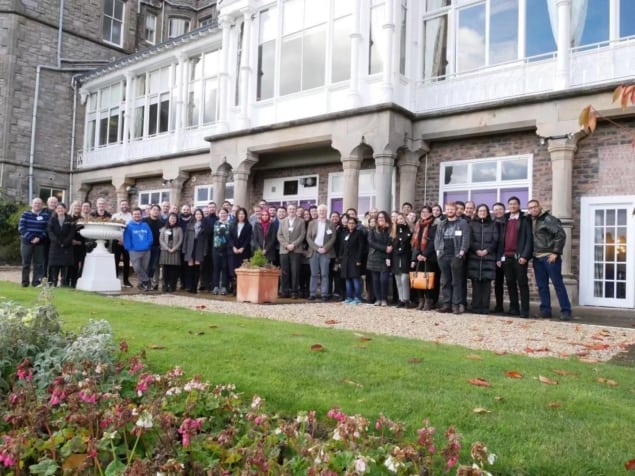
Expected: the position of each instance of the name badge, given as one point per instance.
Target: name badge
(290, 229)
(329, 232)
(458, 233)
(169, 233)
(39, 218)
(347, 237)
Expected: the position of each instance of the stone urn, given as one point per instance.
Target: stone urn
(99, 272)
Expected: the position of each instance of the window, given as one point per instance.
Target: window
(539, 38)
(205, 194)
(486, 180)
(627, 14)
(366, 196)
(91, 122)
(150, 32)
(435, 42)
(113, 21)
(341, 47)
(402, 37)
(291, 190)
(266, 53)
(203, 89)
(48, 192)
(152, 103)
(376, 38)
(178, 26)
(206, 21)
(153, 197)
(105, 117)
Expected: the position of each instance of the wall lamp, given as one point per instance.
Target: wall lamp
(544, 139)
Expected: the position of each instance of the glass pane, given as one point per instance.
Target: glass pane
(609, 290)
(266, 57)
(90, 135)
(435, 46)
(211, 64)
(341, 64)
(103, 131)
(621, 217)
(522, 193)
(515, 169)
(313, 58)
(503, 31)
(471, 38)
(164, 113)
(292, 14)
(487, 197)
(434, 4)
(193, 106)
(599, 217)
(152, 119)
(337, 184)
(621, 272)
(363, 205)
(620, 291)
(367, 182)
(202, 194)
(195, 68)
(599, 253)
(140, 83)
(290, 63)
(342, 7)
(104, 98)
(484, 172)
(455, 174)
(610, 217)
(209, 111)
(115, 94)
(113, 127)
(154, 197)
(268, 25)
(109, 7)
(592, 27)
(621, 244)
(375, 49)
(229, 192)
(116, 32)
(337, 204)
(119, 9)
(627, 13)
(540, 38)
(454, 196)
(610, 253)
(597, 289)
(598, 272)
(106, 29)
(599, 235)
(402, 41)
(315, 13)
(138, 121)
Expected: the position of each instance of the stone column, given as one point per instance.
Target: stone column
(180, 117)
(384, 165)
(351, 166)
(176, 186)
(224, 92)
(564, 44)
(219, 179)
(127, 131)
(241, 188)
(408, 167)
(245, 71)
(354, 95)
(121, 184)
(562, 153)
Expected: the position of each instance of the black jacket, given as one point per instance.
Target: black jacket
(401, 250)
(350, 253)
(484, 236)
(378, 241)
(61, 239)
(268, 244)
(549, 236)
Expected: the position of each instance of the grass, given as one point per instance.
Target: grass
(579, 426)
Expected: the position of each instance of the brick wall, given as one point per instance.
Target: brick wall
(104, 190)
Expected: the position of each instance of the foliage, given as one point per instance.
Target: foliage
(589, 116)
(10, 213)
(258, 260)
(142, 423)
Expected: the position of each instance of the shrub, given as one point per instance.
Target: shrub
(10, 213)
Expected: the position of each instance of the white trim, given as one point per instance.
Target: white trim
(164, 195)
(210, 194)
(587, 205)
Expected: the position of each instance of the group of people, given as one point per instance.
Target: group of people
(321, 256)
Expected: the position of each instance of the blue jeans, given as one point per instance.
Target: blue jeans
(544, 271)
(319, 269)
(354, 288)
(380, 285)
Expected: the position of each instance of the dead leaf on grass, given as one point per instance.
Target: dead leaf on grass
(74, 461)
(498, 398)
(609, 382)
(554, 405)
(547, 380)
(201, 307)
(562, 372)
(213, 326)
(474, 357)
(588, 360)
(500, 352)
(481, 410)
(479, 382)
(415, 360)
(513, 374)
(630, 465)
(317, 348)
(155, 347)
(350, 382)
(364, 339)
(332, 321)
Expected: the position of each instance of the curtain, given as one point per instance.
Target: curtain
(578, 19)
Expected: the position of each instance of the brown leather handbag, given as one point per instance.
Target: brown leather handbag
(423, 280)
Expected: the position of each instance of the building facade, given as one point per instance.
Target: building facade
(370, 103)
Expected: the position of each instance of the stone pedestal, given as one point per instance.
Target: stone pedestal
(99, 273)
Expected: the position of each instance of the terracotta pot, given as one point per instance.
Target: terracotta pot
(257, 285)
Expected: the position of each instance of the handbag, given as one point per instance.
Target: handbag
(423, 280)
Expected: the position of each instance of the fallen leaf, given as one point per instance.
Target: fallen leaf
(597, 346)
(554, 404)
(499, 398)
(364, 339)
(604, 333)
(500, 352)
(630, 465)
(481, 410)
(317, 348)
(202, 306)
(213, 327)
(479, 382)
(474, 357)
(513, 374)
(74, 461)
(350, 382)
(531, 350)
(156, 347)
(415, 360)
(547, 380)
(587, 360)
(332, 321)
(609, 382)
(563, 372)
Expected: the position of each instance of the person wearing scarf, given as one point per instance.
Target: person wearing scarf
(264, 237)
(424, 257)
(195, 243)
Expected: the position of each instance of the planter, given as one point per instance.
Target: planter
(257, 285)
(99, 273)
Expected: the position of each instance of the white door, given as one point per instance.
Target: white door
(607, 251)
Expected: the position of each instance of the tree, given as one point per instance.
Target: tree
(589, 116)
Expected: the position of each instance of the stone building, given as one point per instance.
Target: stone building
(370, 103)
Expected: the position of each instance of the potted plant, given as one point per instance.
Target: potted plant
(257, 280)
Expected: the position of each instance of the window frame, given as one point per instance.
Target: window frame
(369, 192)
(152, 41)
(111, 18)
(210, 194)
(164, 195)
(187, 20)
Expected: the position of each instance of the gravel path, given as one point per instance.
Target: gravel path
(535, 338)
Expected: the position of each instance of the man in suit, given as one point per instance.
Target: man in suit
(320, 237)
(291, 233)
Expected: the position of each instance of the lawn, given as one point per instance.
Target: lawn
(580, 425)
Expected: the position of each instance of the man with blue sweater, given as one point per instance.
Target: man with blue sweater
(137, 239)
(32, 229)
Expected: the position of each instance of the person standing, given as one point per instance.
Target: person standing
(549, 239)
(210, 219)
(33, 232)
(320, 237)
(239, 244)
(220, 258)
(171, 239)
(518, 246)
(452, 242)
(379, 252)
(498, 215)
(61, 232)
(401, 258)
(154, 221)
(195, 246)
(137, 239)
(117, 246)
(291, 234)
(482, 258)
(79, 249)
(425, 258)
(263, 237)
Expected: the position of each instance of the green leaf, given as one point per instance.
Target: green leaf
(46, 467)
(115, 468)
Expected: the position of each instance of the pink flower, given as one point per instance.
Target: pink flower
(189, 428)
(336, 414)
(24, 370)
(87, 396)
(123, 346)
(144, 383)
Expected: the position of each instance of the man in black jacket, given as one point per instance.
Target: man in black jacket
(549, 239)
(517, 251)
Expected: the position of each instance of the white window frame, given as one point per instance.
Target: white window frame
(111, 18)
(497, 184)
(368, 192)
(153, 97)
(199, 84)
(149, 16)
(51, 192)
(280, 197)
(187, 23)
(96, 111)
(144, 198)
(229, 186)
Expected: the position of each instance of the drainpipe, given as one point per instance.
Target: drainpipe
(70, 168)
(60, 31)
